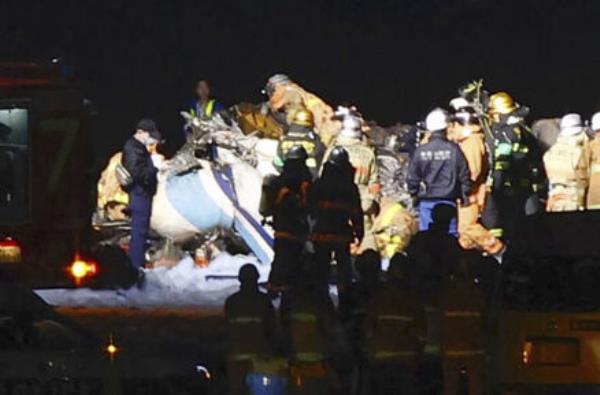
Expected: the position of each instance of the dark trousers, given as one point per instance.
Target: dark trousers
(464, 375)
(286, 262)
(390, 378)
(504, 211)
(324, 252)
(140, 208)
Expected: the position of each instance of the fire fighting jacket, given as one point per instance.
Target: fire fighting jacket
(438, 170)
(250, 315)
(462, 327)
(291, 94)
(593, 197)
(138, 162)
(334, 204)
(307, 316)
(396, 323)
(516, 158)
(305, 137)
(366, 172)
(566, 162)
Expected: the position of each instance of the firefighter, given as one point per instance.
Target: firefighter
(593, 196)
(336, 210)
(283, 94)
(469, 136)
(366, 175)
(462, 332)
(250, 328)
(137, 161)
(285, 198)
(566, 164)
(396, 328)
(301, 133)
(516, 174)
(438, 172)
(307, 316)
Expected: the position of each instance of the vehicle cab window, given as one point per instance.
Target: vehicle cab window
(14, 163)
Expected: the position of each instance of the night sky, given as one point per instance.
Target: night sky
(394, 59)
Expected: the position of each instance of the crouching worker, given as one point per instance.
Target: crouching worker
(250, 329)
(285, 199)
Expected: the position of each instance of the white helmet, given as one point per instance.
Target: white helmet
(436, 120)
(596, 122)
(351, 127)
(571, 124)
(458, 103)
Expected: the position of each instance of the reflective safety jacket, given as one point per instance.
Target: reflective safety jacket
(293, 95)
(396, 324)
(305, 137)
(207, 110)
(337, 212)
(249, 315)
(462, 326)
(366, 175)
(516, 158)
(306, 317)
(567, 168)
(593, 196)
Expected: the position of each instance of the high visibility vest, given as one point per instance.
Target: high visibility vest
(306, 339)
(240, 329)
(207, 110)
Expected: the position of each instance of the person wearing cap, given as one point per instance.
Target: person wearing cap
(593, 195)
(516, 177)
(366, 173)
(566, 164)
(283, 93)
(301, 132)
(285, 199)
(469, 136)
(438, 172)
(335, 208)
(137, 160)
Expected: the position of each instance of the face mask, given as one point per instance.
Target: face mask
(151, 141)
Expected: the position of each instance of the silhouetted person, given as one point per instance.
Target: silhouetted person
(285, 198)
(396, 327)
(462, 332)
(250, 327)
(336, 209)
(354, 306)
(307, 315)
(435, 252)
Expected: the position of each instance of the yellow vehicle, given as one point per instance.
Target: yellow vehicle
(548, 328)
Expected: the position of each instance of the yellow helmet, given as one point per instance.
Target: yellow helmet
(303, 117)
(502, 103)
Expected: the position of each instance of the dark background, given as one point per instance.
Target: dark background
(394, 59)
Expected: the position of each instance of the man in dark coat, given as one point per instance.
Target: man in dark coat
(438, 172)
(138, 162)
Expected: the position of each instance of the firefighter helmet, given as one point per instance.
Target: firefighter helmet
(297, 152)
(596, 122)
(303, 117)
(502, 103)
(273, 81)
(437, 120)
(339, 157)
